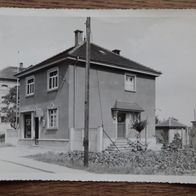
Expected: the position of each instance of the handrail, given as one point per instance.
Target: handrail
(110, 139)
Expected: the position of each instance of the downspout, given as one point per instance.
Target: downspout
(74, 91)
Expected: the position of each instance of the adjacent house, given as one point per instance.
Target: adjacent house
(52, 98)
(7, 81)
(166, 130)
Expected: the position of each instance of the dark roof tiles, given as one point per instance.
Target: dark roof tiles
(171, 123)
(126, 106)
(102, 55)
(8, 73)
(98, 55)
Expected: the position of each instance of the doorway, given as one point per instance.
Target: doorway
(27, 125)
(121, 128)
(36, 130)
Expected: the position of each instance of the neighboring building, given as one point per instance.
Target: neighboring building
(7, 81)
(166, 130)
(193, 132)
(52, 98)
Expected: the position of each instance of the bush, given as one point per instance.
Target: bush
(137, 146)
(166, 162)
(176, 143)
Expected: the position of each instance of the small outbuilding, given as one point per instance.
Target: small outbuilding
(166, 130)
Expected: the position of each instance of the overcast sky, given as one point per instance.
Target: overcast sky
(167, 44)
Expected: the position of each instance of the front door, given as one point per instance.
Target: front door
(121, 119)
(36, 130)
(27, 125)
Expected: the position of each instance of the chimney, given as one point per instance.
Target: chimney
(116, 51)
(78, 37)
(20, 66)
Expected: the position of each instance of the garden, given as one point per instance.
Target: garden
(171, 160)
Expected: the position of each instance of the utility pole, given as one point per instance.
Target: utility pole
(86, 103)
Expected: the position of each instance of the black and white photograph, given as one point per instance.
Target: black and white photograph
(98, 95)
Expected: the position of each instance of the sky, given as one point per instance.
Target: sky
(167, 44)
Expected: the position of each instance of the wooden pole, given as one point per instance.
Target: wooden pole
(86, 103)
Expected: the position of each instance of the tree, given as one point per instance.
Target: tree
(10, 107)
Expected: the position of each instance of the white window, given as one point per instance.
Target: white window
(52, 118)
(30, 85)
(130, 82)
(53, 77)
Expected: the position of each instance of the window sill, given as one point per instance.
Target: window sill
(31, 95)
(131, 91)
(51, 90)
(52, 129)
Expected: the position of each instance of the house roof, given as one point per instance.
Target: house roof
(171, 123)
(102, 55)
(8, 73)
(99, 56)
(126, 106)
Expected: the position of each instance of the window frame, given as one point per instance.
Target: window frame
(48, 119)
(48, 78)
(125, 81)
(26, 86)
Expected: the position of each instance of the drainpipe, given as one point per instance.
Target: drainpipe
(74, 91)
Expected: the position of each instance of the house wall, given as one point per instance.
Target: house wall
(42, 100)
(71, 111)
(111, 82)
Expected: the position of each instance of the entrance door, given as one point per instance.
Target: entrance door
(36, 130)
(121, 125)
(27, 126)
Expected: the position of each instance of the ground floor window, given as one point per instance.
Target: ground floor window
(52, 118)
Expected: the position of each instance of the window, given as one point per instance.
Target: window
(52, 118)
(130, 83)
(30, 85)
(53, 79)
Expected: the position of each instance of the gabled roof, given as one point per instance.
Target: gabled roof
(127, 106)
(8, 73)
(99, 55)
(171, 123)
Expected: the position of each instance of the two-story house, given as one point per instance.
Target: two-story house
(52, 96)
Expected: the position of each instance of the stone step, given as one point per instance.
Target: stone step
(112, 146)
(121, 144)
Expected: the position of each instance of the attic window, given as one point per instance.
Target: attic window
(102, 52)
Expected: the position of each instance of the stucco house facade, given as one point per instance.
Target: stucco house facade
(52, 98)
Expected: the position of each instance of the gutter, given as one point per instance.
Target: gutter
(36, 67)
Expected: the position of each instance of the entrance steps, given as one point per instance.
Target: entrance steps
(121, 145)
